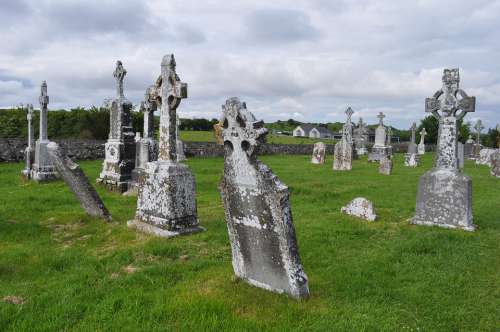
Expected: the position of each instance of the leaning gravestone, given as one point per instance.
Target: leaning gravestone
(79, 184)
(343, 152)
(412, 158)
(379, 149)
(360, 138)
(385, 165)
(166, 201)
(43, 168)
(319, 151)
(257, 209)
(495, 164)
(29, 152)
(444, 193)
(119, 158)
(421, 145)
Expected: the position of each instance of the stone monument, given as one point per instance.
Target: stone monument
(166, 200)
(380, 148)
(469, 148)
(360, 138)
(43, 169)
(29, 152)
(412, 158)
(495, 164)
(421, 145)
(257, 208)
(319, 151)
(342, 160)
(385, 165)
(119, 158)
(444, 193)
(360, 207)
(477, 147)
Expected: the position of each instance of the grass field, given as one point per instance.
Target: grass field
(208, 136)
(72, 272)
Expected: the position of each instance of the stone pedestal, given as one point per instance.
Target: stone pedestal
(118, 165)
(378, 152)
(166, 203)
(444, 199)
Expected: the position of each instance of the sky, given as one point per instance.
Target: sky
(304, 59)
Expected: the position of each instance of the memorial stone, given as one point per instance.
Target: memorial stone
(29, 152)
(360, 207)
(421, 145)
(360, 138)
(343, 151)
(411, 157)
(469, 148)
(319, 151)
(477, 147)
(380, 148)
(385, 165)
(495, 164)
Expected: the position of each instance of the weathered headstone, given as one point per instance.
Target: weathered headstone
(360, 138)
(319, 151)
(119, 158)
(380, 148)
(460, 151)
(343, 152)
(485, 157)
(477, 147)
(146, 148)
(444, 193)
(385, 165)
(180, 144)
(469, 148)
(43, 169)
(166, 201)
(257, 209)
(79, 184)
(421, 145)
(360, 207)
(29, 152)
(411, 157)
(495, 164)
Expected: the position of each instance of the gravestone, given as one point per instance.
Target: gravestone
(421, 145)
(469, 148)
(360, 207)
(485, 157)
(218, 133)
(343, 150)
(146, 149)
(166, 200)
(477, 147)
(180, 144)
(257, 209)
(495, 164)
(360, 138)
(119, 158)
(411, 157)
(460, 151)
(78, 183)
(29, 152)
(444, 193)
(380, 148)
(319, 151)
(43, 168)
(385, 165)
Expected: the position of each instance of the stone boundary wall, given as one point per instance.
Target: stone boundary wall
(11, 149)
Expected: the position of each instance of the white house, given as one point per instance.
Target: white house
(308, 130)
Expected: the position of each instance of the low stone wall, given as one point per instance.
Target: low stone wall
(79, 149)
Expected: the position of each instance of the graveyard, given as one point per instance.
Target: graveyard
(72, 271)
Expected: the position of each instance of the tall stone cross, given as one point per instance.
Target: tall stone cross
(381, 117)
(479, 127)
(172, 91)
(413, 130)
(44, 102)
(31, 134)
(348, 125)
(454, 104)
(423, 132)
(119, 75)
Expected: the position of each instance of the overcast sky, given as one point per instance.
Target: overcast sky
(306, 60)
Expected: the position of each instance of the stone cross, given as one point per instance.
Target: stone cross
(381, 117)
(44, 101)
(119, 75)
(413, 129)
(348, 125)
(148, 106)
(31, 134)
(479, 127)
(454, 104)
(171, 92)
(423, 132)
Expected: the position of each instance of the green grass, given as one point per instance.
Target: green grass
(77, 273)
(208, 136)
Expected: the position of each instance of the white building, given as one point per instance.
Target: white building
(311, 131)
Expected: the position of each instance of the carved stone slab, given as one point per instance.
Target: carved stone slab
(257, 209)
(360, 207)
(318, 155)
(385, 165)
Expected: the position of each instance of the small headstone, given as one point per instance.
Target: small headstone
(166, 201)
(380, 148)
(485, 157)
(411, 157)
(360, 138)
(257, 209)
(469, 148)
(319, 151)
(43, 168)
(29, 152)
(343, 152)
(79, 184)
(360, 207)
(421, 145)
(119, 150)
(495, 164)
(444, 193)
(385, 165)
